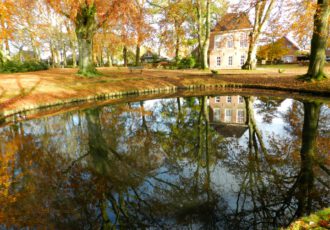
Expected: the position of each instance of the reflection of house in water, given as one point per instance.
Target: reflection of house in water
(228, 115)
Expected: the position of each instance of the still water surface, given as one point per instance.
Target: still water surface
(209, 162)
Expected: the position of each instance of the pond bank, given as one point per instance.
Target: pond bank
(318, 220)
(26, 91)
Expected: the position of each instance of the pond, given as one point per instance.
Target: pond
(198, 162)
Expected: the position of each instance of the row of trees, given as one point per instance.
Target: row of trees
(97, 28)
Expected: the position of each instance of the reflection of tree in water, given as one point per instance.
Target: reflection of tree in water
(273, 188)
(267, 107)
(192, 199)
(135, 167)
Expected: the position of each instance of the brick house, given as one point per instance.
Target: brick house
(229, 41)
(289, 49)
(228, 115)
(292, 50)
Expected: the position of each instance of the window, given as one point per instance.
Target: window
(230, 41)
(217, 99)
(240, 100)
(230, 60)
(242, 59)
(217, 114)
(218, 61)
(228, 115)
(289, 46)
(243, 40)
(229, 99)
(240, 116)
(217, 42)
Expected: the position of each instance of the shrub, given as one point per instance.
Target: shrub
(16, 66)
(187, 63)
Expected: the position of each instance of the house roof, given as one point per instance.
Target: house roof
(230, 130)
(233, 21)
(292, 42)
(267, 41)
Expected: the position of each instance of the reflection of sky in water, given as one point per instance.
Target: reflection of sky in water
(277, 125)
(69, 135)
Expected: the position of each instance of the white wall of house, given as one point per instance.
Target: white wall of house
(230, 49)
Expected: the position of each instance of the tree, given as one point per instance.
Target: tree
(262, 12)
(273, 51)
(7, 9)
(203, 30)
(88, 16)
(319, 41)
(142, 28)
(207, 14)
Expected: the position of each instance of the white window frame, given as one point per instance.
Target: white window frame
(230, 41)
(240, 119)
(240, 100)
(217, 114)
(243, 40)
(228, 118)
(218, 61)
(230, 60)
(217, 99)
(243, 59)
(217, 42)
(229, 99)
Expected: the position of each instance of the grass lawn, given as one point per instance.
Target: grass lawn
(23, 91)
(319, 220)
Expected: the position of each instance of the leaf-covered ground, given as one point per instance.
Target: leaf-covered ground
(29, 90)
(319, 220)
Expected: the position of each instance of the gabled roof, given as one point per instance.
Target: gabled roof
(292, 42)
(233, 21)
(267, 41)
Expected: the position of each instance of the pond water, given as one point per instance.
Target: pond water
(206, 162)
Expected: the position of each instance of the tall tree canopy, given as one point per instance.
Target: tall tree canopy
(88, 16)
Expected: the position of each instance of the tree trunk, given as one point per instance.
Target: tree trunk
(72, 43)
(319, 41)
(125, 55)
(7, 48)
(137, 55)
(86, 65)
(36, 53)
(74, 55)
(86, 26)
(200, 50)
(101, 57)
(206, 43)
(109, 58)
(251, 61)
(53, 54)
(177, 49)
(306, 176)
(64, 56)
(262, 14)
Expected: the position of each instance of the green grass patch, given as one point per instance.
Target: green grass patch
(318, 220)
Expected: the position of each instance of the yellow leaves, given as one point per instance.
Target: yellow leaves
(7, 167)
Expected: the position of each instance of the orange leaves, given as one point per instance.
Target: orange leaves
(7, 168)
(7, 9)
